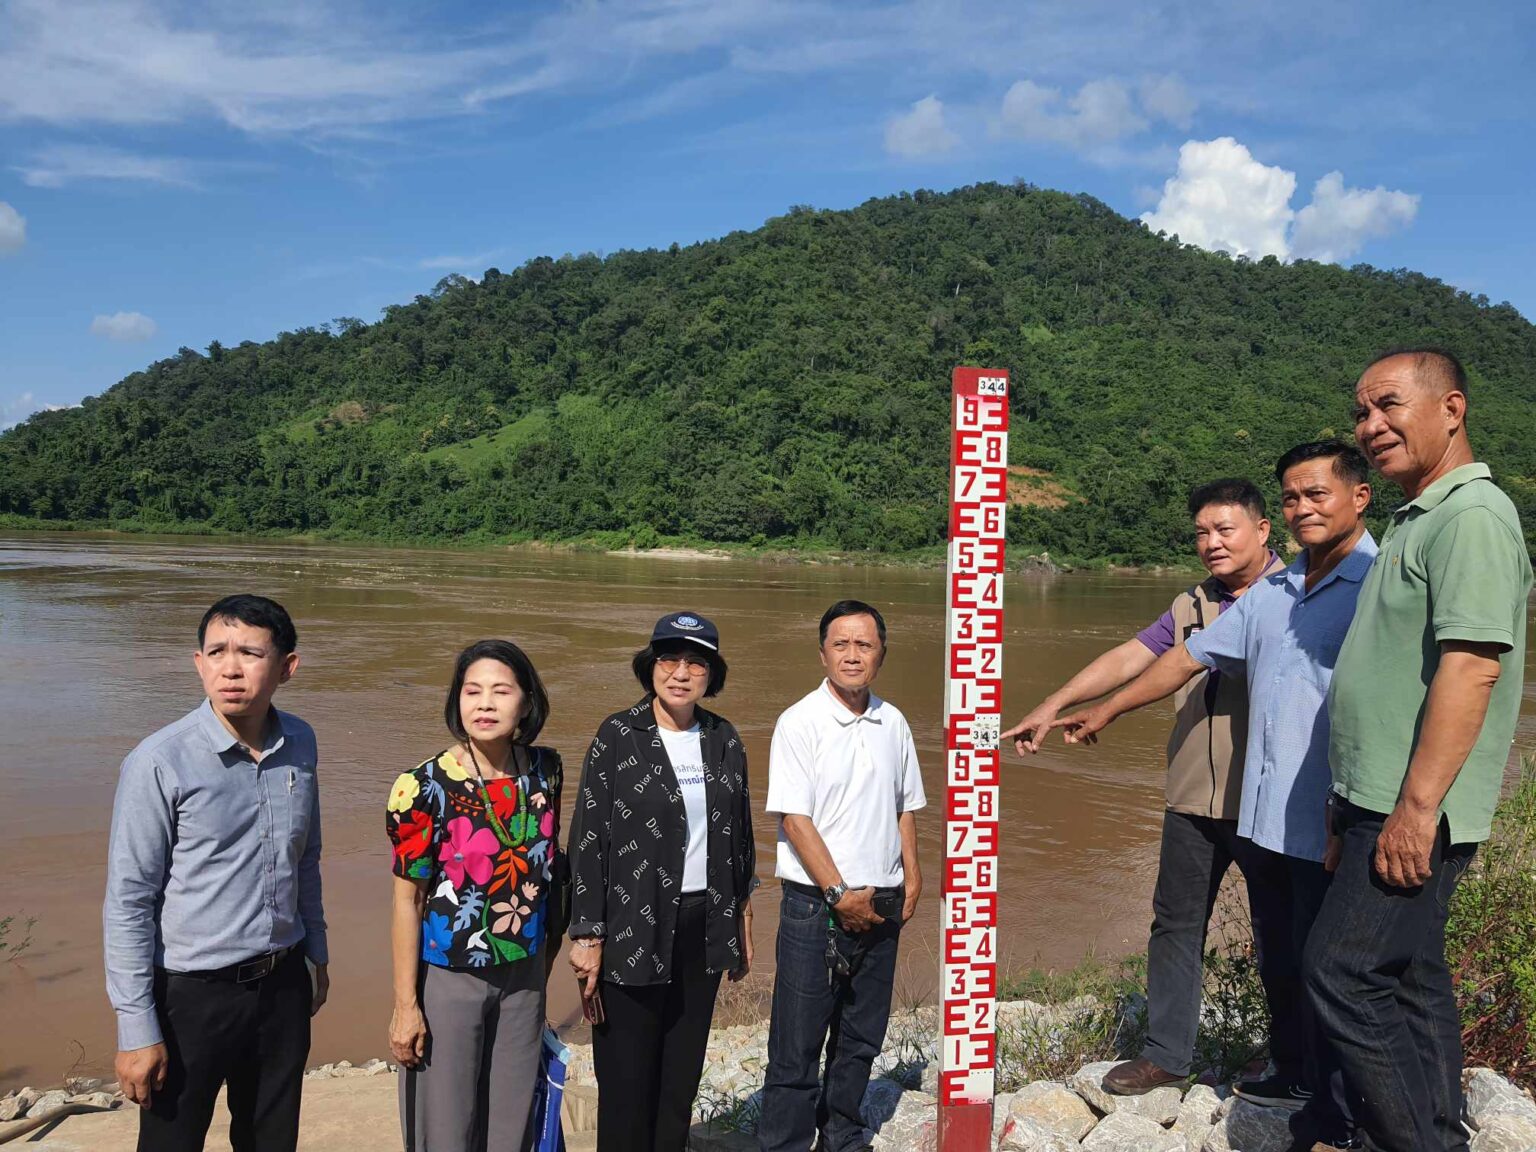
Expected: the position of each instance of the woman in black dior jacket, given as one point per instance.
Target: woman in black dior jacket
(663, 867)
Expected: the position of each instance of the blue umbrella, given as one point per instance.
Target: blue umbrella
(548, 1092)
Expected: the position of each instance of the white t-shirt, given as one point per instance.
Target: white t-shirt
(853, 775)
(686, 751)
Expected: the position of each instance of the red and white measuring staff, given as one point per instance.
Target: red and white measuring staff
(973, 696)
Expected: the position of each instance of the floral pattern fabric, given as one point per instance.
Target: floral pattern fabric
(486, 897)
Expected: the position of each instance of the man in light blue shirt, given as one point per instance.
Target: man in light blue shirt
(1284, 636)
(213, 897)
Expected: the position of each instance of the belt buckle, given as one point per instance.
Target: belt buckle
(253, 970)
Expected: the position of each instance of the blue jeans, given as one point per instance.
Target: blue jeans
(812, 1010)
(1375, 969)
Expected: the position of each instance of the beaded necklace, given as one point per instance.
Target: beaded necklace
(485, 796)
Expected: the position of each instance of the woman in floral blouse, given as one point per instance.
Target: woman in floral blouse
(664, 865)
(475, 831)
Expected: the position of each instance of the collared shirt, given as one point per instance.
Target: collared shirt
(1209, 738)
(1453, 566)
(1285, 639)
(853, 774)
(1163, 633)
(214, 859)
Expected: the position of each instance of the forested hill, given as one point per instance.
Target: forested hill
(787, 384)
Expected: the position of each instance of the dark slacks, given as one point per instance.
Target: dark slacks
(1196, 853)
(253, 1037)
(846, 1016)
(648, 1054)
(1285, 895)
(1375, 968)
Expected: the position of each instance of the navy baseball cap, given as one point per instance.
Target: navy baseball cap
(687, 626)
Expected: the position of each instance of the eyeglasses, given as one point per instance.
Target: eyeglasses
(695, 665)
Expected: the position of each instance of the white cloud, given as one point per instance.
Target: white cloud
(125, 327)
(1340, 220)
(13, 229)
(450, 263)
(68, 164)
(1222, 198)
(920, 132)
(1096, 118)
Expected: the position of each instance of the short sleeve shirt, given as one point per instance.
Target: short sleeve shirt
(1453, 566)
(853, 774)
(1284, 638)
(487, 879)
(1162, 634)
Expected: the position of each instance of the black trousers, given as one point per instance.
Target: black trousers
(648, 1053)
(1285, 894)
(1376, 971)
(254, 1037)
(1196, 853)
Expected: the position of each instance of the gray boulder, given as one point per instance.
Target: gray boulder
(1053, 1107)
(1020, 1134)
(1088, 1082)
(47, 1102)
(1126, 1132)
(1250, 1128)
(913, 1127)
(881, 1099)
(1506, 1132)
(1199, 1108)
(1197, 1116)
(1161, 1105)
(1490, 1095)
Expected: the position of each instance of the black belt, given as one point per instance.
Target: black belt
(245, 972)
(816, 893)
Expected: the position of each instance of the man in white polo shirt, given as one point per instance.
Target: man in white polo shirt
(843, 779)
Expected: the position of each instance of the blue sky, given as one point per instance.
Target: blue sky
(177, 173)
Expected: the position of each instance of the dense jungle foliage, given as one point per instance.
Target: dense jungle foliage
(787, 385)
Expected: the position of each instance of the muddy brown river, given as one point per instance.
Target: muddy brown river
(96, 636)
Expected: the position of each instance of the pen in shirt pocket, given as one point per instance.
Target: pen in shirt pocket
(293, 778)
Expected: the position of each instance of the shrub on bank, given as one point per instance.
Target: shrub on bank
(1491, 940)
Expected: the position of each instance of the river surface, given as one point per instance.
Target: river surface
(96, 637)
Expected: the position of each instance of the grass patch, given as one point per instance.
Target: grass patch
(490, 447)
(1491, 940)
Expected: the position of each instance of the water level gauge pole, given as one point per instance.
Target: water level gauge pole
(973, 697)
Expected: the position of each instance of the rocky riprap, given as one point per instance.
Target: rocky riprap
(901, 1106)
(79, 1094)
(901, 1109)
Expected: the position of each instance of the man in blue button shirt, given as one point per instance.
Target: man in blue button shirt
(213, 898)
(1284, 636)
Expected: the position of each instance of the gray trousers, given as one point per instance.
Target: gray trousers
(473, 1091)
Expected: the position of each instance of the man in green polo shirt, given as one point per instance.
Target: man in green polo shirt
(1422, 711)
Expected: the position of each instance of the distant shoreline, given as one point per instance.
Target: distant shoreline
(1021, 560)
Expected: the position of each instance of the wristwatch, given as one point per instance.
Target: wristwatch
(833, 894)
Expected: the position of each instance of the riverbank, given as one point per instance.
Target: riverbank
(354, 1109)
(639, 542)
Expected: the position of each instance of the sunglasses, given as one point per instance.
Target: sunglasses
(696, 665)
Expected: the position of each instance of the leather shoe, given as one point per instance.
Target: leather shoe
(1138, 1076)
